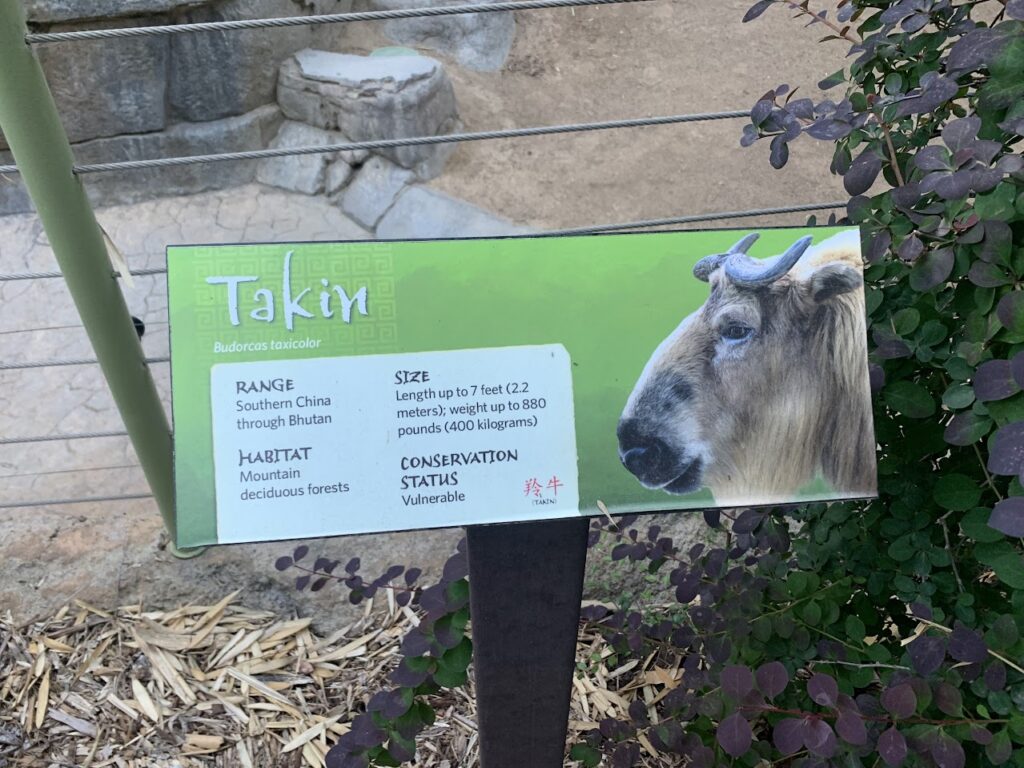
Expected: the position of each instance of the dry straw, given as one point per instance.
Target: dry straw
(223, 685)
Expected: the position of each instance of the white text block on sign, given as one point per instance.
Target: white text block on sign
(393, 442)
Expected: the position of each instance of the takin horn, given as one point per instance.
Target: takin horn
(746, 272)
(702, 269)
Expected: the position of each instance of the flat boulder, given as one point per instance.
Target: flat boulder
(373, 97)
(374, 191)
(299, 173)
(420, 212)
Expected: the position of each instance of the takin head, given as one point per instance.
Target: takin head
(765, 386)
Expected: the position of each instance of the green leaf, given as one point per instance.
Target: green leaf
(905, 321)
(957, 396)
(452, 666)
(956, 492)
(796, 584)
(912, 400)
(1003, 558)
(810, 612)
(975, 526)
(855, 628)
(585, 754)
(997, 204)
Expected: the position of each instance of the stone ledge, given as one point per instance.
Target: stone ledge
(249, 131)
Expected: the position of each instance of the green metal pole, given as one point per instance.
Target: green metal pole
(32, 127)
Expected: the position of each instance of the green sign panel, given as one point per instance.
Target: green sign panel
(333, 388)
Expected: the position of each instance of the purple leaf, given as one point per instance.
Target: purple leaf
(862, 173)
(878, 246)
(985, 275)
(910, 249)
(737, 681)
(779, 152)
(927, 654)
(1006, 451)
(981, 735)
(995, 676)
(976, 49)
(1015, 9)
(876, 376)
(1017, 368)
(907, 195)
(302, 581)
(899, 701)
(948, 699)
(827, 129)
(850, 727)
(353, 565)
(788, 736)
(734, 735)
(994, 381)
(823, 689)
(283, 563)
(947, 752)
(757, 9)
(760, 111)
(957, 134)
(1008, 516)
(772, 679)
(966, 428)
(1010, 310)
(932, 270)
(949, 186)
(892, 747)
(300, 552)
(967, 645)
(933, 158)
(819, 737)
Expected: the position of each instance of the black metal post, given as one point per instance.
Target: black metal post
(526, 585)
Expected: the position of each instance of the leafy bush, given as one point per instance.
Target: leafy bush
(875, 633)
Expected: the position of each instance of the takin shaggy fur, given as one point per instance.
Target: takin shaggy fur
(765, 387)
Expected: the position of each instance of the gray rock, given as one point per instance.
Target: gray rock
(301, 173)
(82, 10)
(105, 89)
(218, 75)
(479, 41)
(421, 212)
(374, 191)
(338, 174)
(373, 97)
(13, 194)
(250, 131)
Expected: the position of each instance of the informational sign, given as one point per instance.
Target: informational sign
(334, 388)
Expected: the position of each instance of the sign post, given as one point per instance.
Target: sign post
(527, 584)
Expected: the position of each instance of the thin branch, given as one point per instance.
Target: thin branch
(892, 153)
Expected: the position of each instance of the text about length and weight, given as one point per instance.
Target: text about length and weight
(470, 407)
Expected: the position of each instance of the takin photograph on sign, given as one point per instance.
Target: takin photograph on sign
(761, 391)
(335, 388)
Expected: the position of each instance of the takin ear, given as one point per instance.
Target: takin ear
(832, 280)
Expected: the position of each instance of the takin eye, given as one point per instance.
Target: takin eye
(734, 333)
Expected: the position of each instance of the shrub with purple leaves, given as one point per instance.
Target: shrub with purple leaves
(435, 654)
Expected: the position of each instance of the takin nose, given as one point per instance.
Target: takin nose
(647, 457)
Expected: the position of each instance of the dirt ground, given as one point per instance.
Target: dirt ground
(634, 60)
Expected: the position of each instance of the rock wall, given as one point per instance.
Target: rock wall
(133, 98)
(200, 93)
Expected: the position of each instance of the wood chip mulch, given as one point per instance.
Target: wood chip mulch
(223, 685)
